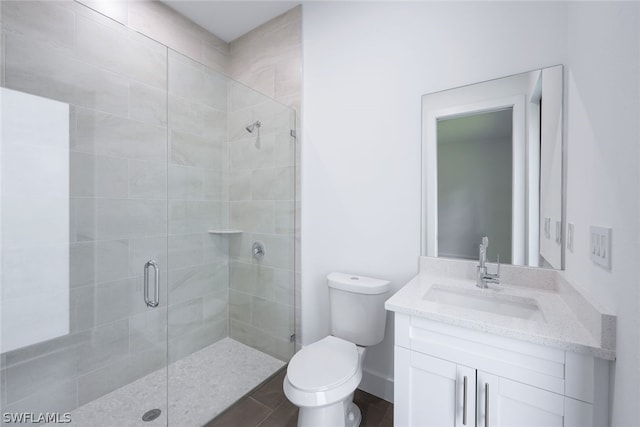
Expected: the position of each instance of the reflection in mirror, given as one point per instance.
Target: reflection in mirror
(492, 166)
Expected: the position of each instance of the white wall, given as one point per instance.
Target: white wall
(366, 66)
(603, 158)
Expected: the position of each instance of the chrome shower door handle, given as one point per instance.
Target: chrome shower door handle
(156, 284)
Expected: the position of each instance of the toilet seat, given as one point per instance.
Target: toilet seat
(323, 365)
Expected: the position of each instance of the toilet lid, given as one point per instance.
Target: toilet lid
(323, 365)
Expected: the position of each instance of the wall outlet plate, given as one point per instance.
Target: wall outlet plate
(600, 246)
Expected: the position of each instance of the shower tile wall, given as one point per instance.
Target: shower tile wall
(268, 58)
(115, 81)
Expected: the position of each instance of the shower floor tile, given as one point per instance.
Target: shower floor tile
(201, 386)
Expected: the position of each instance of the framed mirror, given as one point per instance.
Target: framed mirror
(492, 165)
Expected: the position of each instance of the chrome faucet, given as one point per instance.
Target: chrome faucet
(483, 277)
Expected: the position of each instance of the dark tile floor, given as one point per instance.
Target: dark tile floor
(267, 406)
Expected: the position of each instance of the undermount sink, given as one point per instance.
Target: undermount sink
(504, 305)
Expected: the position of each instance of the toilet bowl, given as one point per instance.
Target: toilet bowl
(322, 377)
(324, 393)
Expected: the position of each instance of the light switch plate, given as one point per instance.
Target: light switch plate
(570, 227)
(547, 228)
(600, 246)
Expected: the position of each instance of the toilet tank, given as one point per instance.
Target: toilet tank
(357, 307)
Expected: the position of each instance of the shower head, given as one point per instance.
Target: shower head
(253, 126)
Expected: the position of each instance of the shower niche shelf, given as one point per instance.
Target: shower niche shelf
(225, 231)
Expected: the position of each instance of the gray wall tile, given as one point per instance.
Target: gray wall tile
(279, 251)
(41, 349)
(82, 301)
(202, 336)
(118, 300)
(112, 258)
(118, 10)
(148, 330)
(42, 20)
(252, 337)
(251, 153)
(101, 219)
(274, 318)
(82, 264)
(251, 279)
(212, 184)
(110, 135)
(186, 115)
(215, 306)
(108, 343)
(240, 184)
(104, 380)
(147, 180)
(186, 182)
(97, 176)
(285, 217)
(37, 68)
(192, 282)
(184, 317)
(216, 247)
(168, 27)
(27, 378)
(58, 397)
(191, 150)
(215, 124)
(193, 217)
(215, 56)
(254, 216)
(185, 250)
(147, 104)
(240, 306)
(144, 249)
(272, 184)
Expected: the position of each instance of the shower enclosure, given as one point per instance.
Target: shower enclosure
(147, 226)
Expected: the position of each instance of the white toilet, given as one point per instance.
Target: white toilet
(322, 377)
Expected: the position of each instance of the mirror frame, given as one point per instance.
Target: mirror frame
(492, 95)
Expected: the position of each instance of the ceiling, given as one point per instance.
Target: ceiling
(230, 19)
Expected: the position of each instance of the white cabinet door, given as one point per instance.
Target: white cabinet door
(506, 403)
(430, 391)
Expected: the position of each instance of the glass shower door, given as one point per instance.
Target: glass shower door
(83, 210)
(231, 191)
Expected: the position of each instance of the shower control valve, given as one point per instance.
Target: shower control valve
(257, 250)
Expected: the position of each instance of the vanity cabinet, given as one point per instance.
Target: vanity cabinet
(452, 376)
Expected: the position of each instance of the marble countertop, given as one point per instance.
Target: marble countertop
(559, 326)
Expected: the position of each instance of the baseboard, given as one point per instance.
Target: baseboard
(377, 384)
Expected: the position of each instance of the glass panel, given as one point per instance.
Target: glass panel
(231, 185)
(84, 207)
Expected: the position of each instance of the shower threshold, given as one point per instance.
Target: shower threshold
(201, 386)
